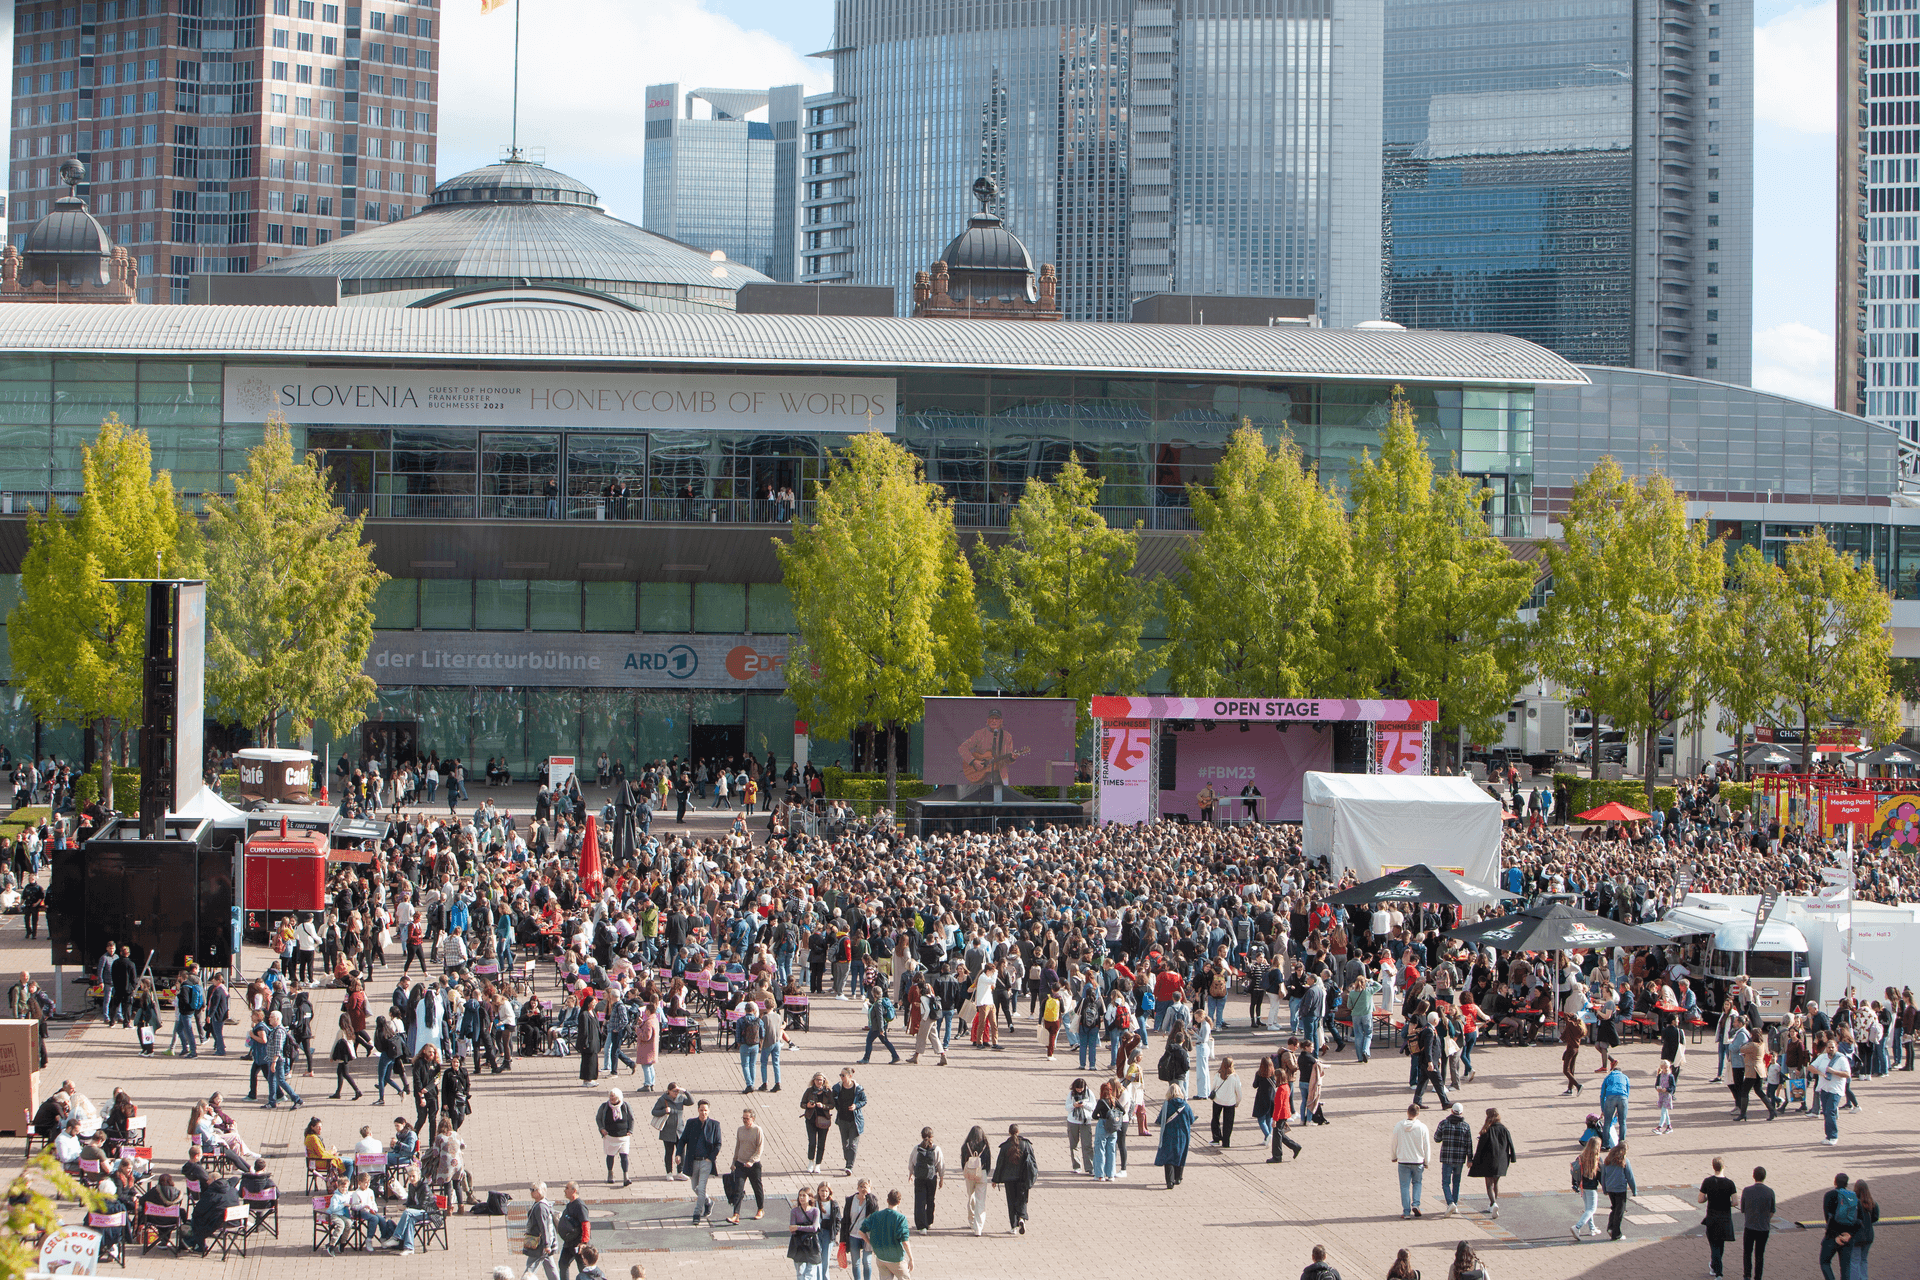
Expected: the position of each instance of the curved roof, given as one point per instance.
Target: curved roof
(520, 222)
(986, 243)
(684, 339)
(69, 229)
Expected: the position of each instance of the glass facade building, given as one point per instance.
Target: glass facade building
(220, 135)
(1193, 147)
(721, 181)
(1581, 178)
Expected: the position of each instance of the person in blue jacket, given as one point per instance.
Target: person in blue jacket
(1176, 1132)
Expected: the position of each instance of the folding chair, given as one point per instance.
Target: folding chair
(265, 1207)
(434, 1225)
(91, 1171)
(103, 1222)
(190, 1189)
(374, 1165)
(231, 1234)
(331, 1231)
(318, 1171)
(799, 1013)
(35, 1140)
(163, 1219)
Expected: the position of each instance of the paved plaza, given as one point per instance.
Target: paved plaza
(1235, 1215)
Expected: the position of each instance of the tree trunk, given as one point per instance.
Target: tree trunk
(1740, 751)
(893, 769)
(106, 763)
(1806, 739)
(1650, 761)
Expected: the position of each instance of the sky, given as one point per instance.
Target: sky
(583, 102)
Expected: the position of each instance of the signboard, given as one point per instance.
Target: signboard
(559, 771)
(1126, 771)
(373, 397)
(1400, 747)
(1106, 707)
(1849, 806)
(973, 743)
(616, 660)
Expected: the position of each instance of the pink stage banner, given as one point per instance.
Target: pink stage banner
(1126, 771)
(1108, 707)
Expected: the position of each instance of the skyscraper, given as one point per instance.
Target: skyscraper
(1877, 321)
(220, 139)
(722, 181)
(1192, 146)
(1582, 179)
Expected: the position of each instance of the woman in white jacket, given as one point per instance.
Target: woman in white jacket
(1226, 1097)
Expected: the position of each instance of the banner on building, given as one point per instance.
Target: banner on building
(569, 660)
(1112, 707)
(372, 397)
(1400, 747)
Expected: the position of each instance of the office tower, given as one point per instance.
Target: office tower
(220, 139)
(1877, 323)
(1584, 179)
(826, 190)
(1189, 146)
(722, 181)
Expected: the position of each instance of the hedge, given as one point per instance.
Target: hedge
(1738, 795)
(1584, 794)
(126, 788)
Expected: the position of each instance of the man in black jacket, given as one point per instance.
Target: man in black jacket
(1015, 1169)
(209, 1212)
(699, 1150)
(1318, 1268)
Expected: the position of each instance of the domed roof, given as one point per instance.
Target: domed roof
(988, 261)
(69, 230)
(520, 226)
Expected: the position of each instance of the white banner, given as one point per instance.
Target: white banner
(611, 401)
(1126, 771)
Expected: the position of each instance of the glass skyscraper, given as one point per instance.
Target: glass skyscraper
(1582, 178)
(1205, 146)
(723, 181)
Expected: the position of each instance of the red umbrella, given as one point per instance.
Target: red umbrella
(590, 856)
(1611, 811)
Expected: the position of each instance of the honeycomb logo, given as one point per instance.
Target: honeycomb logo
(745, 662)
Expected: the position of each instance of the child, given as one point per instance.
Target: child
(1663, 1090)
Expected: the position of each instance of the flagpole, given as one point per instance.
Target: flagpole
(513, 147)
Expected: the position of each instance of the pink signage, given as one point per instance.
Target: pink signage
(1126, 771)
(1109, 707)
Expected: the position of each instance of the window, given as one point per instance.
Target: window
(420, 153)
(423, 27)
(303, 106)
(1713, 244)
(277, 134)
(1713, 291)
(306, 10)
(276, 169)
(297, 202)
(279, 38)
(325, 207)
(1713, 314)
(609, 605)
(1713, 197)
(1713, 362)
(303, 74)
(1713, 268)
(326, 174)
(329, 78)
(401, 26)
(282, 8)
(376, 84)
(279, 71)
(276, 200)
(276, 233)
(1713, 104)
(1713, 33)
(1712, 174)
(1713, 78)
(300, 235)
(330, 13)
(1713, 55)
(376, 21)
(303, 41)
(330, 46)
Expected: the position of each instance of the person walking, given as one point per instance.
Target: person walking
(927, 1167)
(816, 1114)
(1862, 1234)
(1756, 1213)
(1717, 1192)
(886, 1234)
(1455, 1138)
(1430, 1059)
(614, 1120)
(699, 1150)
(1491, 1155)
(1586, 1182)
(1573, 1034)
(1176, 1134)
(803, 1236)
(1411, 1148)
(849, 1113)
(342, 1058)
(1080, 1106)
(976, 1166)
(590, 1040)
(880, 1015)
(1840, 1207)
(1616, 1179)
(572, 1227)
(541, 1243)
(745, 1169)
(1319, 1268)
(668, 1111)
(1015, 1169)
(1833, 1071)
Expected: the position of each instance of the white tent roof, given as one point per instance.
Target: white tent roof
(1375, 823)
(206, 803)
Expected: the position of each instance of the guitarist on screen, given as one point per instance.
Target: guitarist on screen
(986, 753)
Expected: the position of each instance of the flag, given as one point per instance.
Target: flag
(1767, 903)
(488, 6)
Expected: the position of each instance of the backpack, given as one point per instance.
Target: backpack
(1173, 1065)
(886, 1011)
(1218, 987)
(1846, 1208)
(192, 997)
(1089, 1012)
(923, 1166)
(749, 1031)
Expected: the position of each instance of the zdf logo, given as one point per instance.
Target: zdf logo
(745, 662)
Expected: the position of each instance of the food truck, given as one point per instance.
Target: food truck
(286, 871)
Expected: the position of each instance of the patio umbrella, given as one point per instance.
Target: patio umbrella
(1759, 753)
(1612, 811)
(1554, 926)
(1419, 883)
(590, 875)
(1889, 755)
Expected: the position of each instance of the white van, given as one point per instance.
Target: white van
(1715, 933)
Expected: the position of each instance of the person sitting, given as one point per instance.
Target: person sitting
(163, 1194)
(67, 1146)
(257, 1180)
(209, 1213)
(406, 1144)
(368, 1144)
(323, 1156)
(51, 1118)
(195, 1172)
(1594, 1129)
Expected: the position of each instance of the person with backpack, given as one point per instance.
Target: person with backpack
(927, 1166)
(1016, 1169)
(747, 1033)
(1841, 1209)
(572, 1228)
(1087, 1016)
(189, 999)
(880, 1015)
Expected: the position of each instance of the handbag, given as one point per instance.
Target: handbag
(823, 1120)
(840, 1257)
(804, 1246)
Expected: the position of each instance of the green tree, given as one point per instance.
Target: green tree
(1446, 591)
(78, 641)
(1069, 612)
(882, 598)
(1746, 671)
(1832, 640)
(1635, 617)
(290, 589)
(1257, 610)
(32, 1213)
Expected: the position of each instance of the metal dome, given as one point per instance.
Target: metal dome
(988, 261)
(70, 231)
(519, 226)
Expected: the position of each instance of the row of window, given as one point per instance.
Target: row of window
(298, 236)
(87, 14)
(521, 604)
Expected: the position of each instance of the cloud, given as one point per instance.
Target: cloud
(1793, 69)
(584, 68)
(1794, 359)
